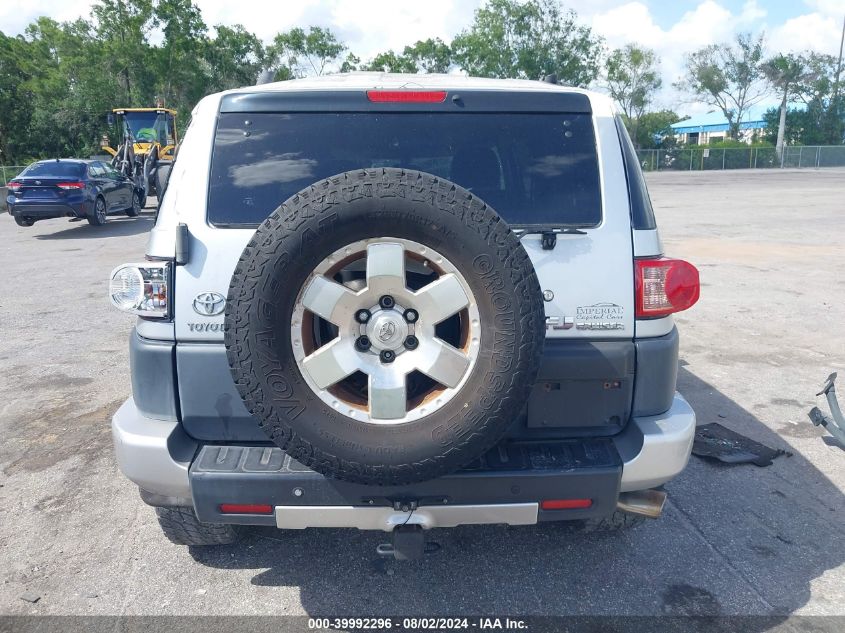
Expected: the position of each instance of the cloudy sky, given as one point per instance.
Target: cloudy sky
(671, 27)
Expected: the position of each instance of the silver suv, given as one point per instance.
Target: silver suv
(401, 302)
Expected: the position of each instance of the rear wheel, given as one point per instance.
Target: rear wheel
(181, 526)
(137, 205)
(20, 221)
(98, 218)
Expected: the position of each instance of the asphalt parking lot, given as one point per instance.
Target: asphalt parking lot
(769, 329)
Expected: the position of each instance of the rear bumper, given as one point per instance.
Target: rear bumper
(174, 469)
(45, 211)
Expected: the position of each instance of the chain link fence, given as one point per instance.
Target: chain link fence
(7, 173)
(709, 158)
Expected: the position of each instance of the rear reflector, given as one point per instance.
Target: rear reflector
(565, 504)
(71, 185)
(246, 508)
(665, 286)
(406, 96)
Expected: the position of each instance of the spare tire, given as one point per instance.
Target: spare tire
(384, 326)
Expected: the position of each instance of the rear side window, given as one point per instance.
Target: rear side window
(55, 169)
(534, 169)
(642, 213)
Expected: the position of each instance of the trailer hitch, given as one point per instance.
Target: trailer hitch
(835, 425)
(408, 543)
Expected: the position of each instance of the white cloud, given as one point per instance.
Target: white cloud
(812, 31)
(835, 8)
(366, 26)
(708, 23)
(15, 15)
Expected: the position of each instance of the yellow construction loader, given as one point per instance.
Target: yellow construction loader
(147, 145)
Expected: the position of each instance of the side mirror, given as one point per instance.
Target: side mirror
(110, 118)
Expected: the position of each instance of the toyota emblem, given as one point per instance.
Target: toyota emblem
(209, 303)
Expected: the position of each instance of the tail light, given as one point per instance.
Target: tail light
(69, 186)
(406, 96)
(665, 286)
(141, 289)
(14, 185)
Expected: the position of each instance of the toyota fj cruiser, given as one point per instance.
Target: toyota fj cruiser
(401, 302)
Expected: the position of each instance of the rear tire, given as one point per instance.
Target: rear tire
(99, 216)
(372, 435)
(181, 526)
(137, 205)
(23, 221)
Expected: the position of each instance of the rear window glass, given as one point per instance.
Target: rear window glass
(57, 169)
(534, 169)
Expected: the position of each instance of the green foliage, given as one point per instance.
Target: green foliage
(822, 120)
(652, 130)
(305, 53)
(234, 58)
(59, 81)
(390, 62)
(528, 40)
(431, 55)
(728, 76)
(729, 143)
(632, 76)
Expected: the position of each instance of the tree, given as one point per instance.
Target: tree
(431, 55)
(14, 99)
(181, 81)
(390, 62)
(632, 76)
(350, 64)
(825, 104)
(653, 129)
(124, 26)
(306, 53)
(727, 76)
(234, 57)
(785, 73)
(528, 40)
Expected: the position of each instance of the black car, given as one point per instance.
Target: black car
(74, 188)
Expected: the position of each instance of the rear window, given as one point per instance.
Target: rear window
(534, 169)
(55, 169)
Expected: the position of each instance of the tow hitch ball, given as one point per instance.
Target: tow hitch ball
(408, 543)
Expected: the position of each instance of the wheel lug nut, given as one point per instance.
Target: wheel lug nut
(362, 343)
(412, 342)
(362, 316)
(411, 315)
(386, 302)
(387, 356)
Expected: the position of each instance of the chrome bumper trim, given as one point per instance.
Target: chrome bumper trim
(384, 518)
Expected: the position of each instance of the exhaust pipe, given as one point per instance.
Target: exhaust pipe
(647, 503)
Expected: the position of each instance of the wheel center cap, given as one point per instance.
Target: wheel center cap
(387, 330)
